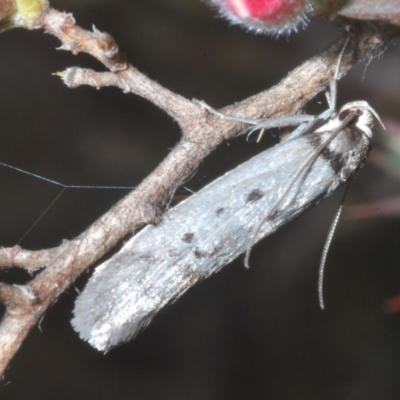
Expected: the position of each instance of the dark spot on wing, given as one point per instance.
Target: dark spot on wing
(219, 210)
(188, 237)
(254, 195)
(173, 253)
(275, 215)
(209, 252)
(334, 159)
(199, 254)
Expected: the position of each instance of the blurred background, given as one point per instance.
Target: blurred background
(242, 334)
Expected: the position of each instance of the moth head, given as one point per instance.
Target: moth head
(364, 113)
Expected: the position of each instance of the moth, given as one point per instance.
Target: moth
(223, 220)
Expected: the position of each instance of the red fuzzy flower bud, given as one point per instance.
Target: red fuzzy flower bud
(266, 16)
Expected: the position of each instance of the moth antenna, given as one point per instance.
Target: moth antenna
(325, 251)
(376, 115)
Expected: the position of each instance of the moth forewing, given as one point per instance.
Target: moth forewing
(214, 226)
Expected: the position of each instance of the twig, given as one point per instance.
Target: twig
(74, 77)
(201, 133)
(28, 259)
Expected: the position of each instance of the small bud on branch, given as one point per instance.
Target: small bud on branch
(20, 13)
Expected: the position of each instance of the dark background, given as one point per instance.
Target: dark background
(242, 334)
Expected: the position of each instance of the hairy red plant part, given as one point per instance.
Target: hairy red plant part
(266, 16)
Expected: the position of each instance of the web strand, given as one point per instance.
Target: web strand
(64, 188)
(62, 184)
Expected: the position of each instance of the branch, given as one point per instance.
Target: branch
(201, 133)
(28, 259)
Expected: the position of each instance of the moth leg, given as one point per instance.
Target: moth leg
(260, 135)
(312, 125)
(267, 123)
(332, 95)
